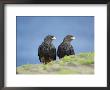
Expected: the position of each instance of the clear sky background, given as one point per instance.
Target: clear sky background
(31, 31)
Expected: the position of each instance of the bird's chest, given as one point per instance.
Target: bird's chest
(67, 47)
(47, 48)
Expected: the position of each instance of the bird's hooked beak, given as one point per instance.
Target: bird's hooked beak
(53, 38)
(72, 38)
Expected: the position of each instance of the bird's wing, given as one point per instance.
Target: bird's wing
(60, 50)
(72, 50)
(39, 53)
(53, 52)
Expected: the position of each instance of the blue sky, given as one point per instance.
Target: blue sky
(31, 31)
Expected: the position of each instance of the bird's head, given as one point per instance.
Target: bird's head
(48, 39)
(69, 38)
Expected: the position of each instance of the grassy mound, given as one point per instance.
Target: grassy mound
(82, 63)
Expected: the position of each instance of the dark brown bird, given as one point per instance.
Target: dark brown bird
(47, 51)
(65, 48)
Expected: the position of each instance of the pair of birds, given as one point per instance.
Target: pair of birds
(47, 51)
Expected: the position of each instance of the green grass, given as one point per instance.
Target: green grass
(82, 63)
(67, 71)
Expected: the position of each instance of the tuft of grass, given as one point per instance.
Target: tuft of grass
(83, 58)
(67, 71)
(73, 64)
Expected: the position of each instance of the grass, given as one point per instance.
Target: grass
(82, 63)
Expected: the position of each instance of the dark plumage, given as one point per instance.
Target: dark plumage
(47, 51)
(65, 48)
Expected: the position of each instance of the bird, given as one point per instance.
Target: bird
(65, 48)
(47, 51)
